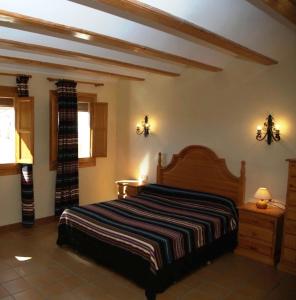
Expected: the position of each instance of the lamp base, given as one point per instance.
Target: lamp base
(262, 204)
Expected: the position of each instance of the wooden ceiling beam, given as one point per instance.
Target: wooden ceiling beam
(286, 8)
(23, 22)
(148, 15)
(32, 62)
(14, 45)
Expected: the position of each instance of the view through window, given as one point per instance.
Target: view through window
(84, 146)
(7, 131)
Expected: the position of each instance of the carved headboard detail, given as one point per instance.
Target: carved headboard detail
(199, 168)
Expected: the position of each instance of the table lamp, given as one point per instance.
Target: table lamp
(263, 195)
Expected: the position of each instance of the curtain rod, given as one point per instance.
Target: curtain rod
(11, 74)
(78, 81)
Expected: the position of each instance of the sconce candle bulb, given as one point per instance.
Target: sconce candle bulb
(144, 128)
(272, 132)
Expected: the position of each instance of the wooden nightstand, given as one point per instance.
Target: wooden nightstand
(288, 255)
(260, 233)
(129, 188)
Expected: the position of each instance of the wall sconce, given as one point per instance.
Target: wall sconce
(144, 128)
(270, 131)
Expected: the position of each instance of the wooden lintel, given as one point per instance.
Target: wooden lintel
(78, 81)
(13, 74)
(151, 16)
(8, 44)
(23, 22)
(24, 61)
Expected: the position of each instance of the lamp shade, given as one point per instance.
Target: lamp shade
(263, 194)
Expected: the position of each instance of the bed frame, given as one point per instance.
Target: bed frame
(196, 168)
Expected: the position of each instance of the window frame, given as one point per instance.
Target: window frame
(81, 97)
(10, 168)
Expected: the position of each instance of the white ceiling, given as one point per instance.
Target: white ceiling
(237, 20)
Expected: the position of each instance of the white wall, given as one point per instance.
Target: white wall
(218, 110)
(96, 183)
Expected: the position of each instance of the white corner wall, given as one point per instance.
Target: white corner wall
(218, 110)
(96, 183)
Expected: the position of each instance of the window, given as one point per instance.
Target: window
(16, 130)
(7, 131)
(84, 131)
(92, 129)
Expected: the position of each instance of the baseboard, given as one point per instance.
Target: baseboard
(39, 221)
(46, 220)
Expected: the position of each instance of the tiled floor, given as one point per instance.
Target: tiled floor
(58, 273)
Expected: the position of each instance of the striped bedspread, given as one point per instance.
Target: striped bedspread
(161, 225)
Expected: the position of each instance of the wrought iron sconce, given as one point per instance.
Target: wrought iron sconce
(144, 128)
(270, 131)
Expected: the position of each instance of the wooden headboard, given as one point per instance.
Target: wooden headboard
(198, 168)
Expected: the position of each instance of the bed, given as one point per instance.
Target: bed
(187, 218)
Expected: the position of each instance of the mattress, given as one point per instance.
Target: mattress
(161, 225)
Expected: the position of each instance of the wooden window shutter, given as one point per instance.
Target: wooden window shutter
(24, 110)
(100, 124)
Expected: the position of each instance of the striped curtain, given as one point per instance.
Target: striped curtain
(22, 85)
(27, 193)
(67, 193)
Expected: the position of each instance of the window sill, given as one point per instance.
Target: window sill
(9, 169)
(87, 162)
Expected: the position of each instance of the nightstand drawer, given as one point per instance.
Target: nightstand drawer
(289, 255)
(253, 245)
(290, 241)
(132, 191)
(291, 198)
(129, 188)
(292, 182)
(260, 233)
(292, 169)
(290, 226)
(291, 213)
(246, 230)
(256, 219)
